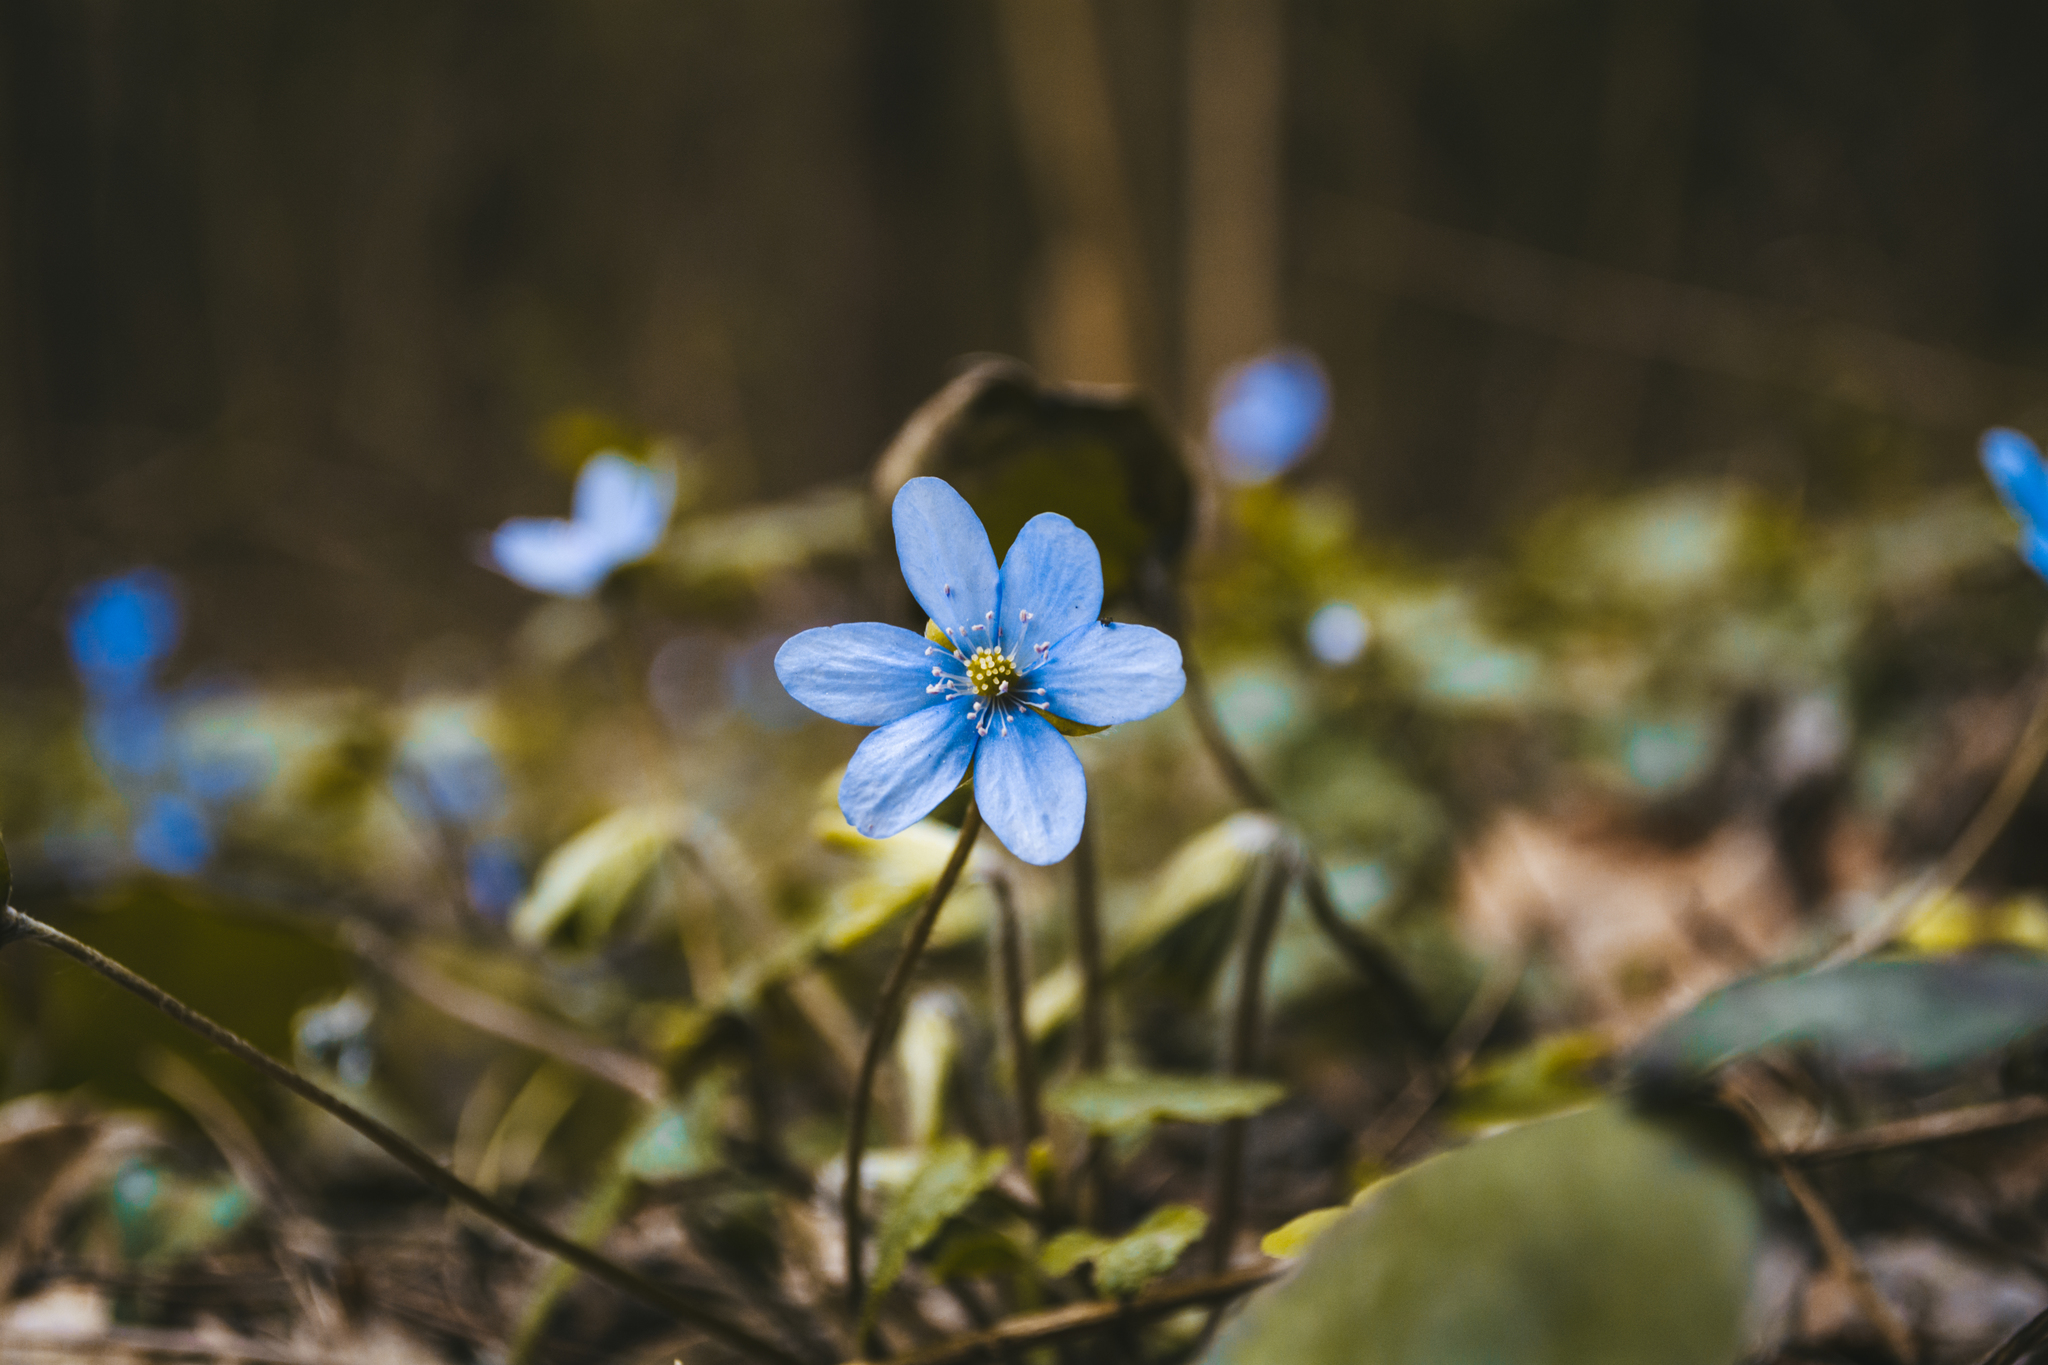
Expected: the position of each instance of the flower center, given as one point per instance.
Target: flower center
(990, 671)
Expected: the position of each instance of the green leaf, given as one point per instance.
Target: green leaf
(1884, 1014)
(586, 883)
(1126, 1264)
(952, 1175)
(1118, 1101)
(1549, 1075)
(1594, 1238)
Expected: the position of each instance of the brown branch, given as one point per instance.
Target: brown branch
(1943, 1127)
(1834, 1244)
(521, 1225)
(888, 1009)
(1059, 1324)
(1267, 896)
(2023, 1346)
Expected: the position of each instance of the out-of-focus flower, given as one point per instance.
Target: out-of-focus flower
(1009, 651)
(1267, 413)
(173, 835)
(1338, 633)
(2016, 471)
(119, 629)
(494, 877)
(620, 514)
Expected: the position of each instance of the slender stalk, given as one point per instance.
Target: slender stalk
(1372, 962)
(1428, 1084)
(1971, 845)
(2021, 1346)
(1237, 774)
(1946, 1126)
(1267, 897)
(888, 1011)
(1009, 974)
(1011, 1337)
(1094, 1013)
(14, 924)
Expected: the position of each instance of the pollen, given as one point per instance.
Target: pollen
(990, 671)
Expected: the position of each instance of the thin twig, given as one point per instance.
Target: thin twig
(1266, 896)
(530, 1230)
(1237, 774)
(1898, 1338)
(888, 1009)
(1943, 1127)
(1058, 1324)
(1429, 1083)
(1971, 845)
(500, 1018)
(1094, 1014)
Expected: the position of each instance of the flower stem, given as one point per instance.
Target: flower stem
(1094, 1012)
(1267, 896)
(888, 1010)
(14, 924)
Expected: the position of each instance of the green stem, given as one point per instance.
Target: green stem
(1267, 896)
(14, 924)
(888, 1010)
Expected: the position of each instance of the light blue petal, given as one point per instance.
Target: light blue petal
(624, 504)
(946, 558)
(2034, 550)
(1053, 572)
(1267, 413)
(863, 674)
(903, 770)
(1110, 673)
(2014, 465)
(550, 555)
(1030, 787)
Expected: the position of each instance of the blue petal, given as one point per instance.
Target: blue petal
(903, 770)
(2017, 473)
(946, 558)
(625, 504)
(550, 555)
(1053, 572)
(2034, 550)
(1031, 790)
(1111, 673)
(120, 628)
(863, 674)
(173, 836)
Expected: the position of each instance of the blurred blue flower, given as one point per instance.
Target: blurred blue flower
(621, 512)
(1016, 647)
(2016, 471)
(173, 835)
(495, 877)
(119, 629)
(1267, 413)
(129, 734)
(1338, 633)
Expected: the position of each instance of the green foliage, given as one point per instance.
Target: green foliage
(1914, 1014)
(1126, 1264)
(1120, 1101)
(1593, 1238)
(587, 882)
(952, 1175)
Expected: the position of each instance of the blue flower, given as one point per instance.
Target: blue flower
(621, 513)
(1007, 651)
(2022, 482)
(119, 629)
(1267, 413)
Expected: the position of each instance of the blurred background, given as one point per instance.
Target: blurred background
(1549, 425)
(289, 298)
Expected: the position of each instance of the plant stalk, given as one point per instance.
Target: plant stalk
(1267, 896)
(14, 924)
(888, 1011)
